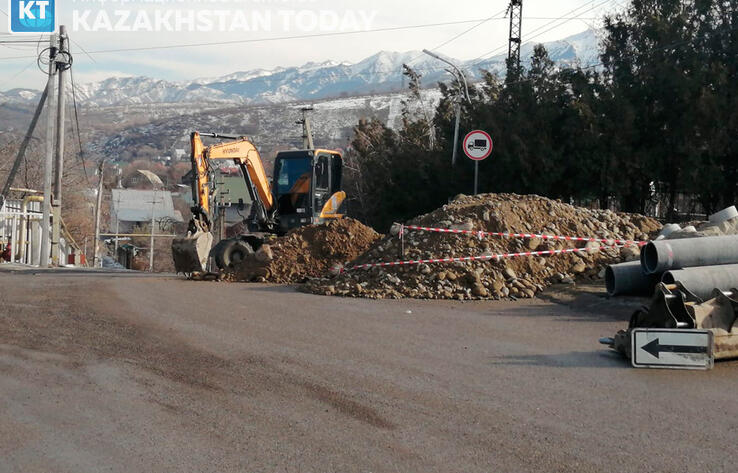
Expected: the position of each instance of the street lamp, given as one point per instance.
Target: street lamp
(154, 180)
(462, 80)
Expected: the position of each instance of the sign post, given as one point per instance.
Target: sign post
(672, 348)
(477, 147)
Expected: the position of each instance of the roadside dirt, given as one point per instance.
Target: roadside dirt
(308, 252)
(513, 278)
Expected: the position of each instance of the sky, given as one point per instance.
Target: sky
(98, 26)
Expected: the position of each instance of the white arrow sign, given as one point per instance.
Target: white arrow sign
(672, 348)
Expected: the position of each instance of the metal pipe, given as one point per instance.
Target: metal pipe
(629, 279)
(703, 280)
(28, 191)
(661, 256)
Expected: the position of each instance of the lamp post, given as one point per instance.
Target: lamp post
(155, 181)
(462, 80)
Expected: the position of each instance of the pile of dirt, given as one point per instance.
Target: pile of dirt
(307, 252)
(520, 277)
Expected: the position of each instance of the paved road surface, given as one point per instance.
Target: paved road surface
(126, 374)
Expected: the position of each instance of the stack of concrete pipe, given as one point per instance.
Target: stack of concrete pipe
(700, 264)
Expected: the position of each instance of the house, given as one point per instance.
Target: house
(130, 208)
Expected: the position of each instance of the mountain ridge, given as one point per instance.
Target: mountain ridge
(379, 73)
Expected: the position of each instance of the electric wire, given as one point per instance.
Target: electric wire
(280, 38)
(76, 120)
(479, 59)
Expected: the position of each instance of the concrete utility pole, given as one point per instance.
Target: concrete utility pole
(98, 211)
(117, 226)
(155, 181)
(62, 65)
(49, 162)
(307, 130)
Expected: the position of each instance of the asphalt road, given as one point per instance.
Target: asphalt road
(126, 374)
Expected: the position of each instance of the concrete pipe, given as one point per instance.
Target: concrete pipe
(661, 256)
(702, 280)
(628, 279)
(723, 215)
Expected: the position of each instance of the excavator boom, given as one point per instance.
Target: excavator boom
(242, 152)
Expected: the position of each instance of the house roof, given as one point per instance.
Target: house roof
(132, 205)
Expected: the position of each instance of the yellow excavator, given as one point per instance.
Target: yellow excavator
(306, 190)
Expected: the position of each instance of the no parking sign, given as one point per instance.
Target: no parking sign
(478, 147)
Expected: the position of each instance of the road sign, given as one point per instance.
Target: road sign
(672, 348)
(478, 145)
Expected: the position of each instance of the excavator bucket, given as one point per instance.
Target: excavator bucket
(674, 307)
(191, 252)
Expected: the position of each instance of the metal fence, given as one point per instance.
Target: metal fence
(20, 225)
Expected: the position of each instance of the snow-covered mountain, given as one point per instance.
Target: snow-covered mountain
(380, 73)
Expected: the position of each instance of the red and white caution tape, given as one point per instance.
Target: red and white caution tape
(476, 258)
(482, 234)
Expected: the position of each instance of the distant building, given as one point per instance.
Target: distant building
(230, 188)
(130, 208)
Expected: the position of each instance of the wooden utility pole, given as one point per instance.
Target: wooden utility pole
(62, 65)
(49, 162)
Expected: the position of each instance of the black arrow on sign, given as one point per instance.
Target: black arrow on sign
(654, 348)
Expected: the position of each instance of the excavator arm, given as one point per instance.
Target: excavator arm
(242, 152)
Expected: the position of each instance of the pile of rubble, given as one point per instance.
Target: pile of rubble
(307, 252)
(520, 277)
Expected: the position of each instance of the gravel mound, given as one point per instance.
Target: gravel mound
(520, 277)
(307, 252)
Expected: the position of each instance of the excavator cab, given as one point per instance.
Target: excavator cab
(304, 183)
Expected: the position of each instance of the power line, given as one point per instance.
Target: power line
(600, 64)
(9, 79)
(285, 38)
(468, 30)
(76, 120)
(479, 59)
(279, 38)
(563, 17)
(84, 51)
(652, 50)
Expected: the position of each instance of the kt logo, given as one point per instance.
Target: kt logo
(32, 16)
